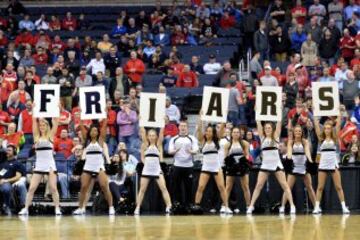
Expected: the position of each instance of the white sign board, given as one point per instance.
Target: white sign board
(152, 110)
(46, 99)
(326, 100)
(92, 102)
(268, 103)
(215, 104)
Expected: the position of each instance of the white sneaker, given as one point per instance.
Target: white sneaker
(292, 210)
(58, 212)
(228, 211)
(111, 211)
(137, 211)
(213, 210)
(281, 210)
(316, 210)
(24, 212)
(79, 211)
(345, 210)
(222, 209)
(168, 210)
(236, 210)
(250, 210)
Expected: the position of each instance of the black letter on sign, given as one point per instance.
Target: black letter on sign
(152, 109)
(329, 99)
(269, 100)
(44, 99)
(92, 98)
(215, 105)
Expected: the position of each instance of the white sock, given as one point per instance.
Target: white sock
(317, 204)
(343, 205)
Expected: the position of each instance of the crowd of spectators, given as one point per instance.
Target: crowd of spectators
(292, 46)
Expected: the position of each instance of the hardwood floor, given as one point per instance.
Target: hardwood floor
(304, 227)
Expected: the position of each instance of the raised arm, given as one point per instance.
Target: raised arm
(161, 137)
(35, 129)
(226, 149)
(307, 150)
(143, 136)
(55, 124)
(103, 127)
(221, 131)
(338, 123)
(290, 146)
(199, 130)
(278, 129)
(260, 129)
(317, 127)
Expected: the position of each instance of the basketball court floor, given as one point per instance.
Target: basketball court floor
(304, 227)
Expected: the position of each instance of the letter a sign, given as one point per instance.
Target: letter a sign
(268, 103)
(325, 98)
(152, 110)
(215, 104)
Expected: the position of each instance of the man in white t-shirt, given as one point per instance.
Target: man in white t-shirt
(212, 67)
(183, 146)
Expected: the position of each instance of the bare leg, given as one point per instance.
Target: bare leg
(337, 182)
(309, 188)
(321, 183)
(35, 181)
(219, 179)
(85, 183)
(229, 185)
(280, 176)
(144, 182)
(162, 185)
(104, 185)
(203, 180)
(290, 181)
(244, 181)
(52, 181)
(261, 179)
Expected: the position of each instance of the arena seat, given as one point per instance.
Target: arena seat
(206, 80)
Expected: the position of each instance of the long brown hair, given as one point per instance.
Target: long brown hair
(273, 140)
(333, 135)
(241, 139)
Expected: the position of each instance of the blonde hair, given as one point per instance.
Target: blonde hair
(48, 130)
(332, 135)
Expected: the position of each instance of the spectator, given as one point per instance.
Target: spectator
(10, 76)
(309, 51)
(119, 30)
(302, 78)
(277, 11)
(162, 38)
(314, 29)
(49, 78)
(169, 80)
(299, 13)
(14, 137)
(63, 144)
(212, 67)
(202, 11)
(144, 35)
(4, 120)
(170, 130)
(11, 172)
(255, 66)
(112, 60)
(223, 75)
(178, 37)
(27, 60)
(347, 46)
(335, 10)
(105, 45)
(3, 41)
(280, 45)
(25, 122)
(101, 80)
(96, 65)
(187, 78)
(261, 42)
(71, 46)
(29, 83)
(120, 82)
(24, 38)
(268, 79)
(291, 90)
(234, 102)
(83, 23)
(297, 38)
(64, 120)
(69, 22)
(72, 64)
(26, 24)
(40, 57)
(127, 120)
(335, 32)
(41, 23)
(134, 68)
(227, 21)
(54, 24)
(317, 10)
(149, 50)
(66, 82)
(350, 9)
(341, 72)
(326, 77)
(195, 66)
(350, 89)
(19, 94)
(132, 29)
(249, 27)
(328, 47)
(83, 80)
(15, 7)
(172, 111)
(208, 32)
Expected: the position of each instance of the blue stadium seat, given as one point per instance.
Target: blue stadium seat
(206, 80)
(151, 81)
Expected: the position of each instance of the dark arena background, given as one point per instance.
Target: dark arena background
(72, 174)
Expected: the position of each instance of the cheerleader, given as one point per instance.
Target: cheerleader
(95, 155)
(237, 165)
(151, 156)
(271, 163)
(44, 163)
(210, 165)
(298, 150)
(328, 161)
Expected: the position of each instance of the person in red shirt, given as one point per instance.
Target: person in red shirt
(63, 144)
(64, 120)
(170, 130)
(57, 42)
(5, 90)
(178, 37)
(187, 78)
(299, 13)
(4, 120)
(227, 21)
(25, 122)
(177, 65)
(10, 76)
(297, 115)
(273, 72)
(19, 95)
(356, 59)
(69, 23)
(14, 137)
(40, 58)
(336, 66)
(54, 24)
(134, 68)
(24, 38)
(347, 46)
(75, 115)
